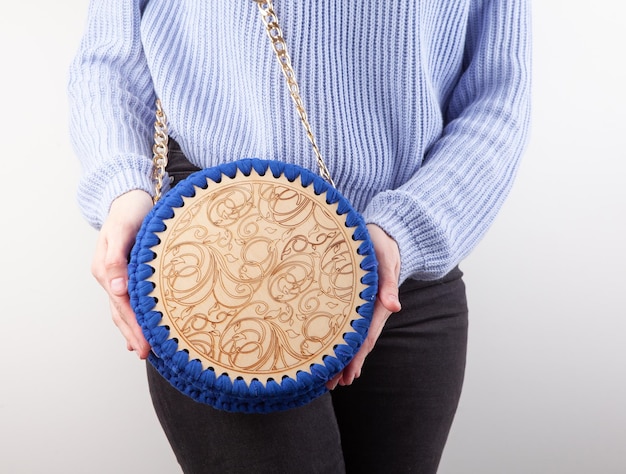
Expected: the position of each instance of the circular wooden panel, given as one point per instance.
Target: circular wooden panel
(257, 277)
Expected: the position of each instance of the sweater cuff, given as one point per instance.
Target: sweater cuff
(424, 248)
(99, 188)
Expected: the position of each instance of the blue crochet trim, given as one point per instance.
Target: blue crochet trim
(205, 385)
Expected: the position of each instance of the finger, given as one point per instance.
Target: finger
(122, 325)
(130, 329)
(388, 256)
(332, 383)
(388, 286)
(387, 302)
(117, 288)
(116, 271)
(353, 370)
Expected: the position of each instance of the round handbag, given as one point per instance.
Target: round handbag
(253, 281)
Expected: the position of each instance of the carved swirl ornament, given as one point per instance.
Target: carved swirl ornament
(257, 277)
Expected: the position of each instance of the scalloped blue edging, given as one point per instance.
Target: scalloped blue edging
(221, 391)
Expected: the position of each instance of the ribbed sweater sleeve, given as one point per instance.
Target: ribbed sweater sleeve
(439, 215)
(110, 85)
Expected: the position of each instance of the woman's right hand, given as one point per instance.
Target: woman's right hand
(110, 263)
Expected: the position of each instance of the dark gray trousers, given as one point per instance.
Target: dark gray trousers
(394, 419)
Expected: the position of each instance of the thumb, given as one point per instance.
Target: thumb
(388, 288)
(116, 265)
(388, 256)
(119, 285)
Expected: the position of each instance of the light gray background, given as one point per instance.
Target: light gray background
(546, 380)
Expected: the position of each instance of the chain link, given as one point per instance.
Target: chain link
(279, 45)
(159, 150)
(275, 34)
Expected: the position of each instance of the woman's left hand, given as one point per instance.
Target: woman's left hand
(387, 302)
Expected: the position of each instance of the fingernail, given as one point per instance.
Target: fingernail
(118, 285)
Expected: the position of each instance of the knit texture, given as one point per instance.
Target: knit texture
(421, 109)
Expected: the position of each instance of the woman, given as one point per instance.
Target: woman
(421, 110)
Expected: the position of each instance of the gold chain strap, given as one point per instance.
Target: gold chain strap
(275, 34)
(159, 150)
(279, 45)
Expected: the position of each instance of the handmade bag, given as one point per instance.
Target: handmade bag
(253, 281)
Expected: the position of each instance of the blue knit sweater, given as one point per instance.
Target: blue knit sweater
(420, 108)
